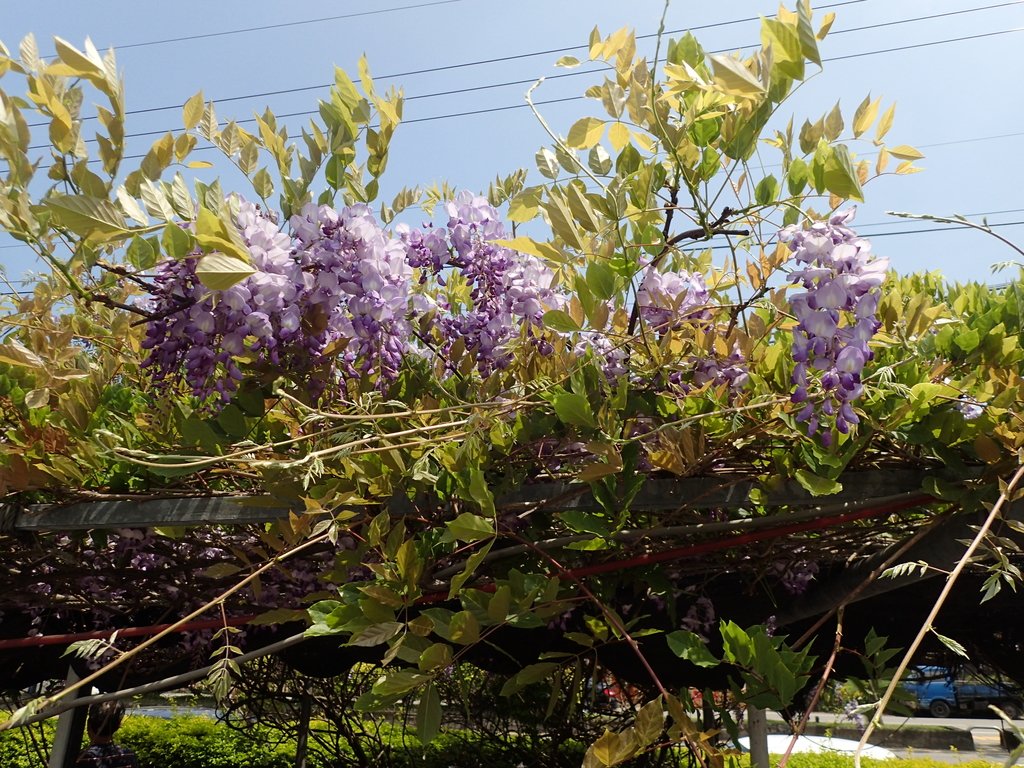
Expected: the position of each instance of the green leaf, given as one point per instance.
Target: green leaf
(612, 748)
(599, 160)
(581, 209)
(601, 280)
(568, 62)
(218, 271)
(376, 634)
(177, 242)
(91, 218)
(214, 236)
(480, 492)
(436, 655)
(524, 206)
(650, 722)
(560, 321)
(233, 422)
(816, 485)
(796, 176)
(562, 221)
(585, 133)
(472, 564)
(141, 254)
(470, 527)
(840, 175)
(950, 643)
(464, 628)
(967, 339)
(574, 409)
(428, 714)
(528, 675)
(834, 123)
(263, 184)
(690, 646)
(398, 682)
(767, 190)
(37, 398)
(865, 115)
(885, 123)
(585, 522)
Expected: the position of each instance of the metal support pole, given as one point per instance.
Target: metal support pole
(302, 742)
(67, 741)
(757, 730)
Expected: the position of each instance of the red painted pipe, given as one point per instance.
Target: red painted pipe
(746, 538)
(576, 573)
(719, 544)
(153, 629)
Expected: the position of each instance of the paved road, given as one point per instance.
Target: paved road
(985, 731)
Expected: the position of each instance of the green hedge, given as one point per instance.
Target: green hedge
(198, 742)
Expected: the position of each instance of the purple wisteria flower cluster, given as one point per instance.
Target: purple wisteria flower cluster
(667, 299)
(338, 297)
(836, 318)
(508, 291)
(341, 281)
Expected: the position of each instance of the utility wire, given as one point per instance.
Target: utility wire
(281, 25)
(471, 89)
(463, 65)
(859, 229)
(924, 45)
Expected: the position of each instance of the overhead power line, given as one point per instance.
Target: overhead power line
(490, 86)
(281, 25)
(462, 65)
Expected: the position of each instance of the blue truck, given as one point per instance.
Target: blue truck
(944, 692)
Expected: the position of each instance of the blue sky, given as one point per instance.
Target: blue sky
(959, 102)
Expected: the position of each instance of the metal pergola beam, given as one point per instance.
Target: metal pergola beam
(656, 495)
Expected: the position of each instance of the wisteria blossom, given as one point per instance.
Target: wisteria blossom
(508, 290)
(342, 281)
(338, 295)
(836, 318)
(668, 298)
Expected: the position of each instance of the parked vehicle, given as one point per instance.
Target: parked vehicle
(945, 692)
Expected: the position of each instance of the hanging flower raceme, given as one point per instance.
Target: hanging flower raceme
(359, 288)
(667, 299)
(836, 318)
(508, 290)
(340, 287)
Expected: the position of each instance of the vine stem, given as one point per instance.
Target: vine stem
(926, 627)
(820, 687)
(555, 138)
(15, 720)
(617, 624)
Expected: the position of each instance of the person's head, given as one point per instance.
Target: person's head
(104, 719)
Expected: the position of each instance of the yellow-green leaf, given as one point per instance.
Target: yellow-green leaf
(905, 152)
(89, 217)
(885, 123)
(826, 25)
(732, 76)
(192, 112)
(545, 251)
(865, 115)
(218, 271)
(618, 135)
(585, 133)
